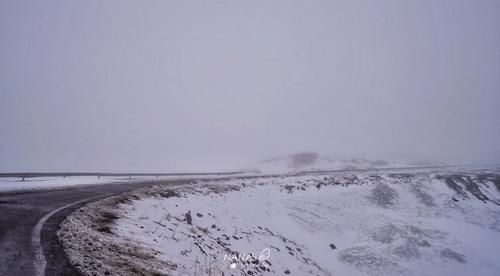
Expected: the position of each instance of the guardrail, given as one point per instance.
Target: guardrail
(24, 175)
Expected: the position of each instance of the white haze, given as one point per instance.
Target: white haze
(217, 85)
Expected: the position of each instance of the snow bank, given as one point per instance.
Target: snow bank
(338, 224)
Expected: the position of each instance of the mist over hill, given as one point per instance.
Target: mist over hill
(311, 161)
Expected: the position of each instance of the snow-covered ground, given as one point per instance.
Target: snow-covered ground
(36, 183)
(405, 223)
(16, 183)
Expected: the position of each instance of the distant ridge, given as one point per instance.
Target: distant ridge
(311, 161)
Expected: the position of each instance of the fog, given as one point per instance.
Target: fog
(161, 86)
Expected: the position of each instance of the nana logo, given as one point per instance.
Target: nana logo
(248, 260)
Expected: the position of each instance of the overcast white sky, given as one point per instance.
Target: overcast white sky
(206, 85)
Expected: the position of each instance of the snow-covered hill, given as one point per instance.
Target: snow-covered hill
(309, 161)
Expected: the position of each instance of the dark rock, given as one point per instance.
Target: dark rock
(168, 193)
(189, 219)
(104, 229)
(289, 188)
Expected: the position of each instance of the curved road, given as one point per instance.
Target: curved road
(21, 212)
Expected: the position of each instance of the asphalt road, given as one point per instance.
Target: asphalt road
(20, 212)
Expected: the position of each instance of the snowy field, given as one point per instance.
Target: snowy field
(411, 223)
(8, 184)
(33, 183)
